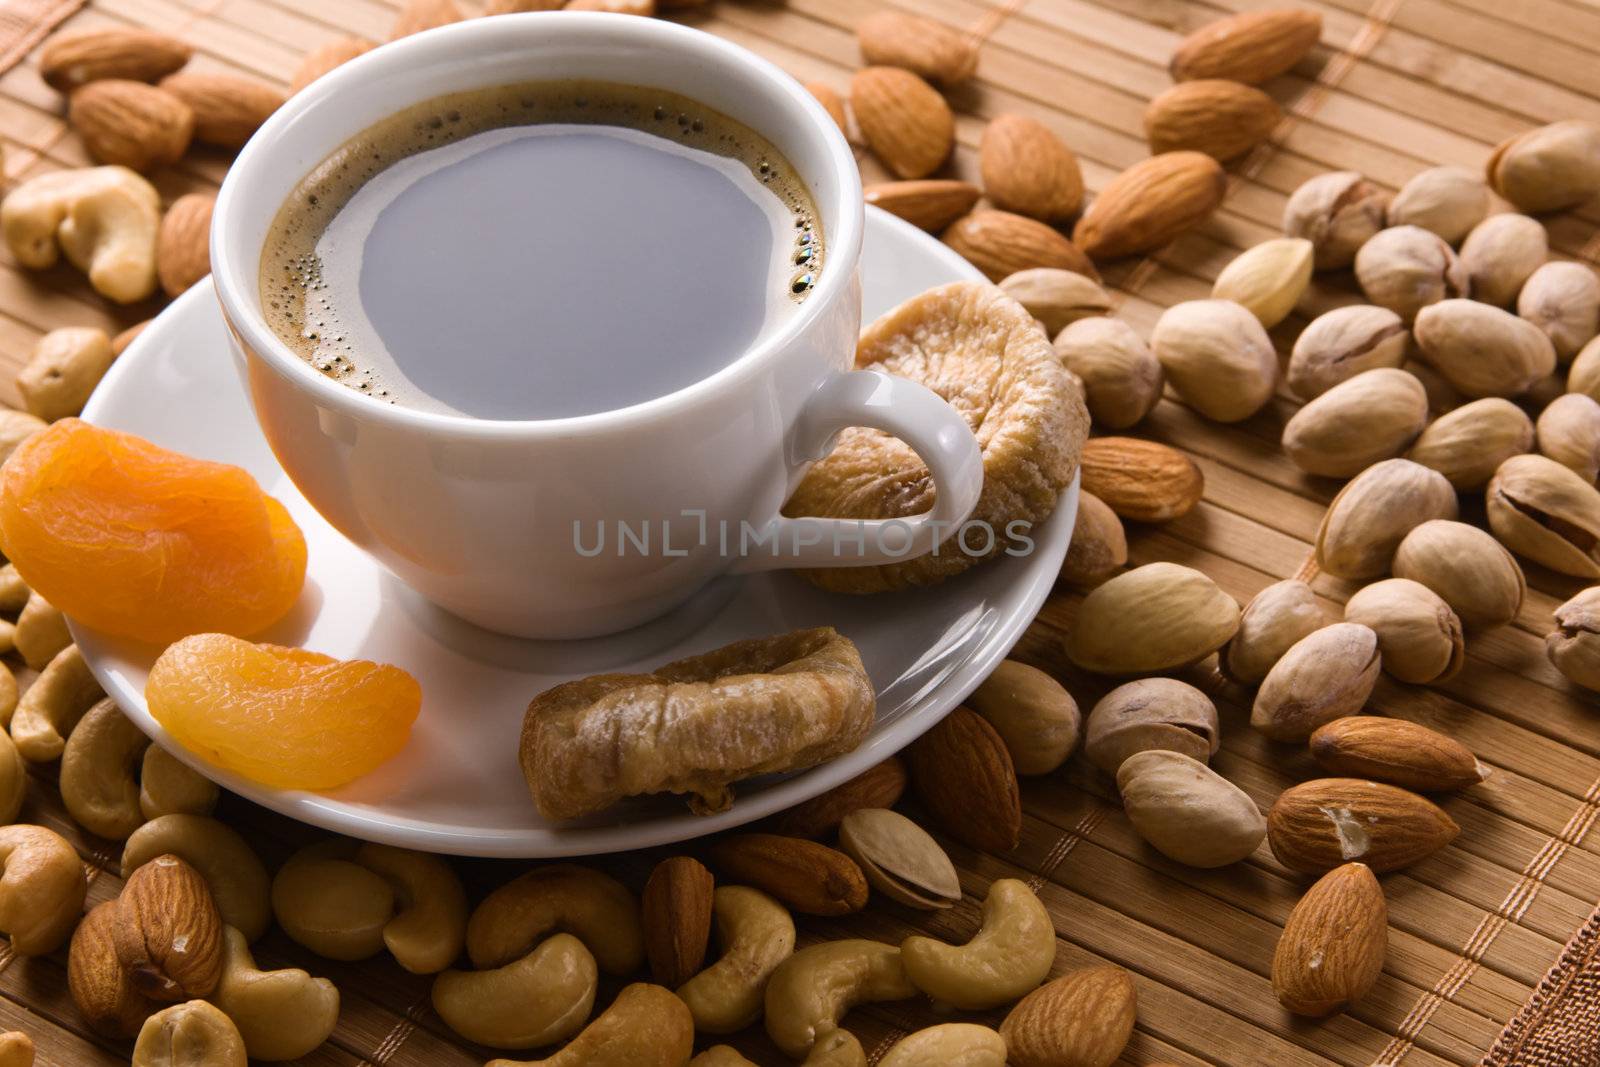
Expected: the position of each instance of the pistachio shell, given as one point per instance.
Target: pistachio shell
(1188, 811)
(1468, 445)
(1499, 255)
(1344, 342)
(1419, 637)
(1563, 300)
(1032, 712)
(1056, 297)
(1151, 713)
(1217, 355)
(1337, 213)
(1544, 512)
(1121, 376)
(1268, 279)
(1584, 375)
(900, 858)
(1372, 416)
(1482, 350)
(1448, 201)
(1153, 618)
(1406, 268)
(1569, 433)
(1272, 622)
(1377, 508)
(1467, 568)
(1326, 675)
(1574, 646)
(1099, 547)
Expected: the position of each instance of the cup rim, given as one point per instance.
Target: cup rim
(237, 285)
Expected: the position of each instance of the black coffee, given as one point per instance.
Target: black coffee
(540, 250)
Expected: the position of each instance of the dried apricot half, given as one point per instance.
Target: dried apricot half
(284, 717)
(140, 541)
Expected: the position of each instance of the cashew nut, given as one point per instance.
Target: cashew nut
(837, 1048)
(13, 780)
(16, 1049)
(191, 1034)
(1011, 953)
(97, 782)
(756, 934)
(334, 907)
(104, 218)
(13, 590)
(811, 990)
(42, 888)
(167, 786)
(99, 984)
(41, 632)
(281, 1015)
(231, 868)
(66, 366)
(720, 1056)
(948, 1045)
(427, 933)
(52, 706)
(599, 910)
(540, 999)
(646, 1026)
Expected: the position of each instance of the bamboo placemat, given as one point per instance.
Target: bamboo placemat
(1397, 85)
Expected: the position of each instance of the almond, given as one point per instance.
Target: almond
(183, 245)
(1145, 481)
(1333, 945)
(931, 203)
(1082, 1019)
(920, 45)
(905, 121)
(227, 109)
(1028, 170)
(1223, 119)
(1251, 47)
(879, 786)
(77, 57)
(1150, 203)
(676, 907)
(99, 986)
(167, 932)
(517, 7)
(319, 61)
(964, 776)
(1319, 825)
(1000, 244)
(831, 102)
(1395, 751)
(809, 878)
(131, 123)
(420, 15)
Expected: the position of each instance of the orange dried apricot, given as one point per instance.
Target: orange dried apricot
(140, 541)
(284, 717)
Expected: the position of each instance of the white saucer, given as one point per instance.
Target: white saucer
(457, 787)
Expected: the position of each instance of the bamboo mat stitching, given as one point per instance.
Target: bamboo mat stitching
(30, 21)
(403, 1029)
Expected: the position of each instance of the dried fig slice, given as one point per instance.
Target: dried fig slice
(698, 725)
(984, 355)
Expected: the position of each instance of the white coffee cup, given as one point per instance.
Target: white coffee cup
(497, 521)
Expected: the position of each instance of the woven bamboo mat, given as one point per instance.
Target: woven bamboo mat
(1397, 85)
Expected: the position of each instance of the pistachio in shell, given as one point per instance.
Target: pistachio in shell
(1483, 350)
(1367, 520)
(1099, 546)
(1544, 512)
(1372, 416)
(900, 858)
(1406, 268)
(1271, 623)
(1217, 356)
(1574, 645)
(1448, 201)
(1419, 636)
(1467, 568)
(1550, 168)
(1188, 811)
(1326, 675)
(1563, 300)
(1032, 712)
(1153, 618)
(1056, 297)
(1151, 713)
(1337, 213)
(1501, 253)
(1121, 376)
(1584, 374)
(1468, 445)
(1569, 433)
(1340, 344)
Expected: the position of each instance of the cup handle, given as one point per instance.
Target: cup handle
(897, 406)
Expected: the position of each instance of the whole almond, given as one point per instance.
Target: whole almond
(1268, 279)
(518, 7)
(1368, 518)
(1344, 342)
(1272, 623)
(1358, 422)
(1448, 201)
(1057, 298)
(1032, 712)
(1145, 481)
(900, 859)
(1563, 300)
(1001, 243)
(1419, 636)
(1251, 47)
(1338, 213)
(1217, 357)
(227, 109)
(676, 910)
(1328, 822)
(931, 49)
(419, 15)
(1501, 254)
(931, 203)
(1407, 268)
(320, 60)
(98, 983)
(167, 933)
(1469, 569)
(963, 774)
(879, 786)
(1082, 1019)
(1401, 753)
(1468, 445)
(1568, 431)
(904, 120)
(1224, 119)
(1149, 204)
(1154, 618)
(183, 244)
(1121, 376)
(1551, 168)
(614, 7)
(1325, 675)
(1333, 946)
(1544, 512)
(809, 878)
(131, 123)
(1026, 169)
(77, 57)
(1099, 546)
(831, 102)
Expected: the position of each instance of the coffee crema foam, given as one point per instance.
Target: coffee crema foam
(332, 291)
